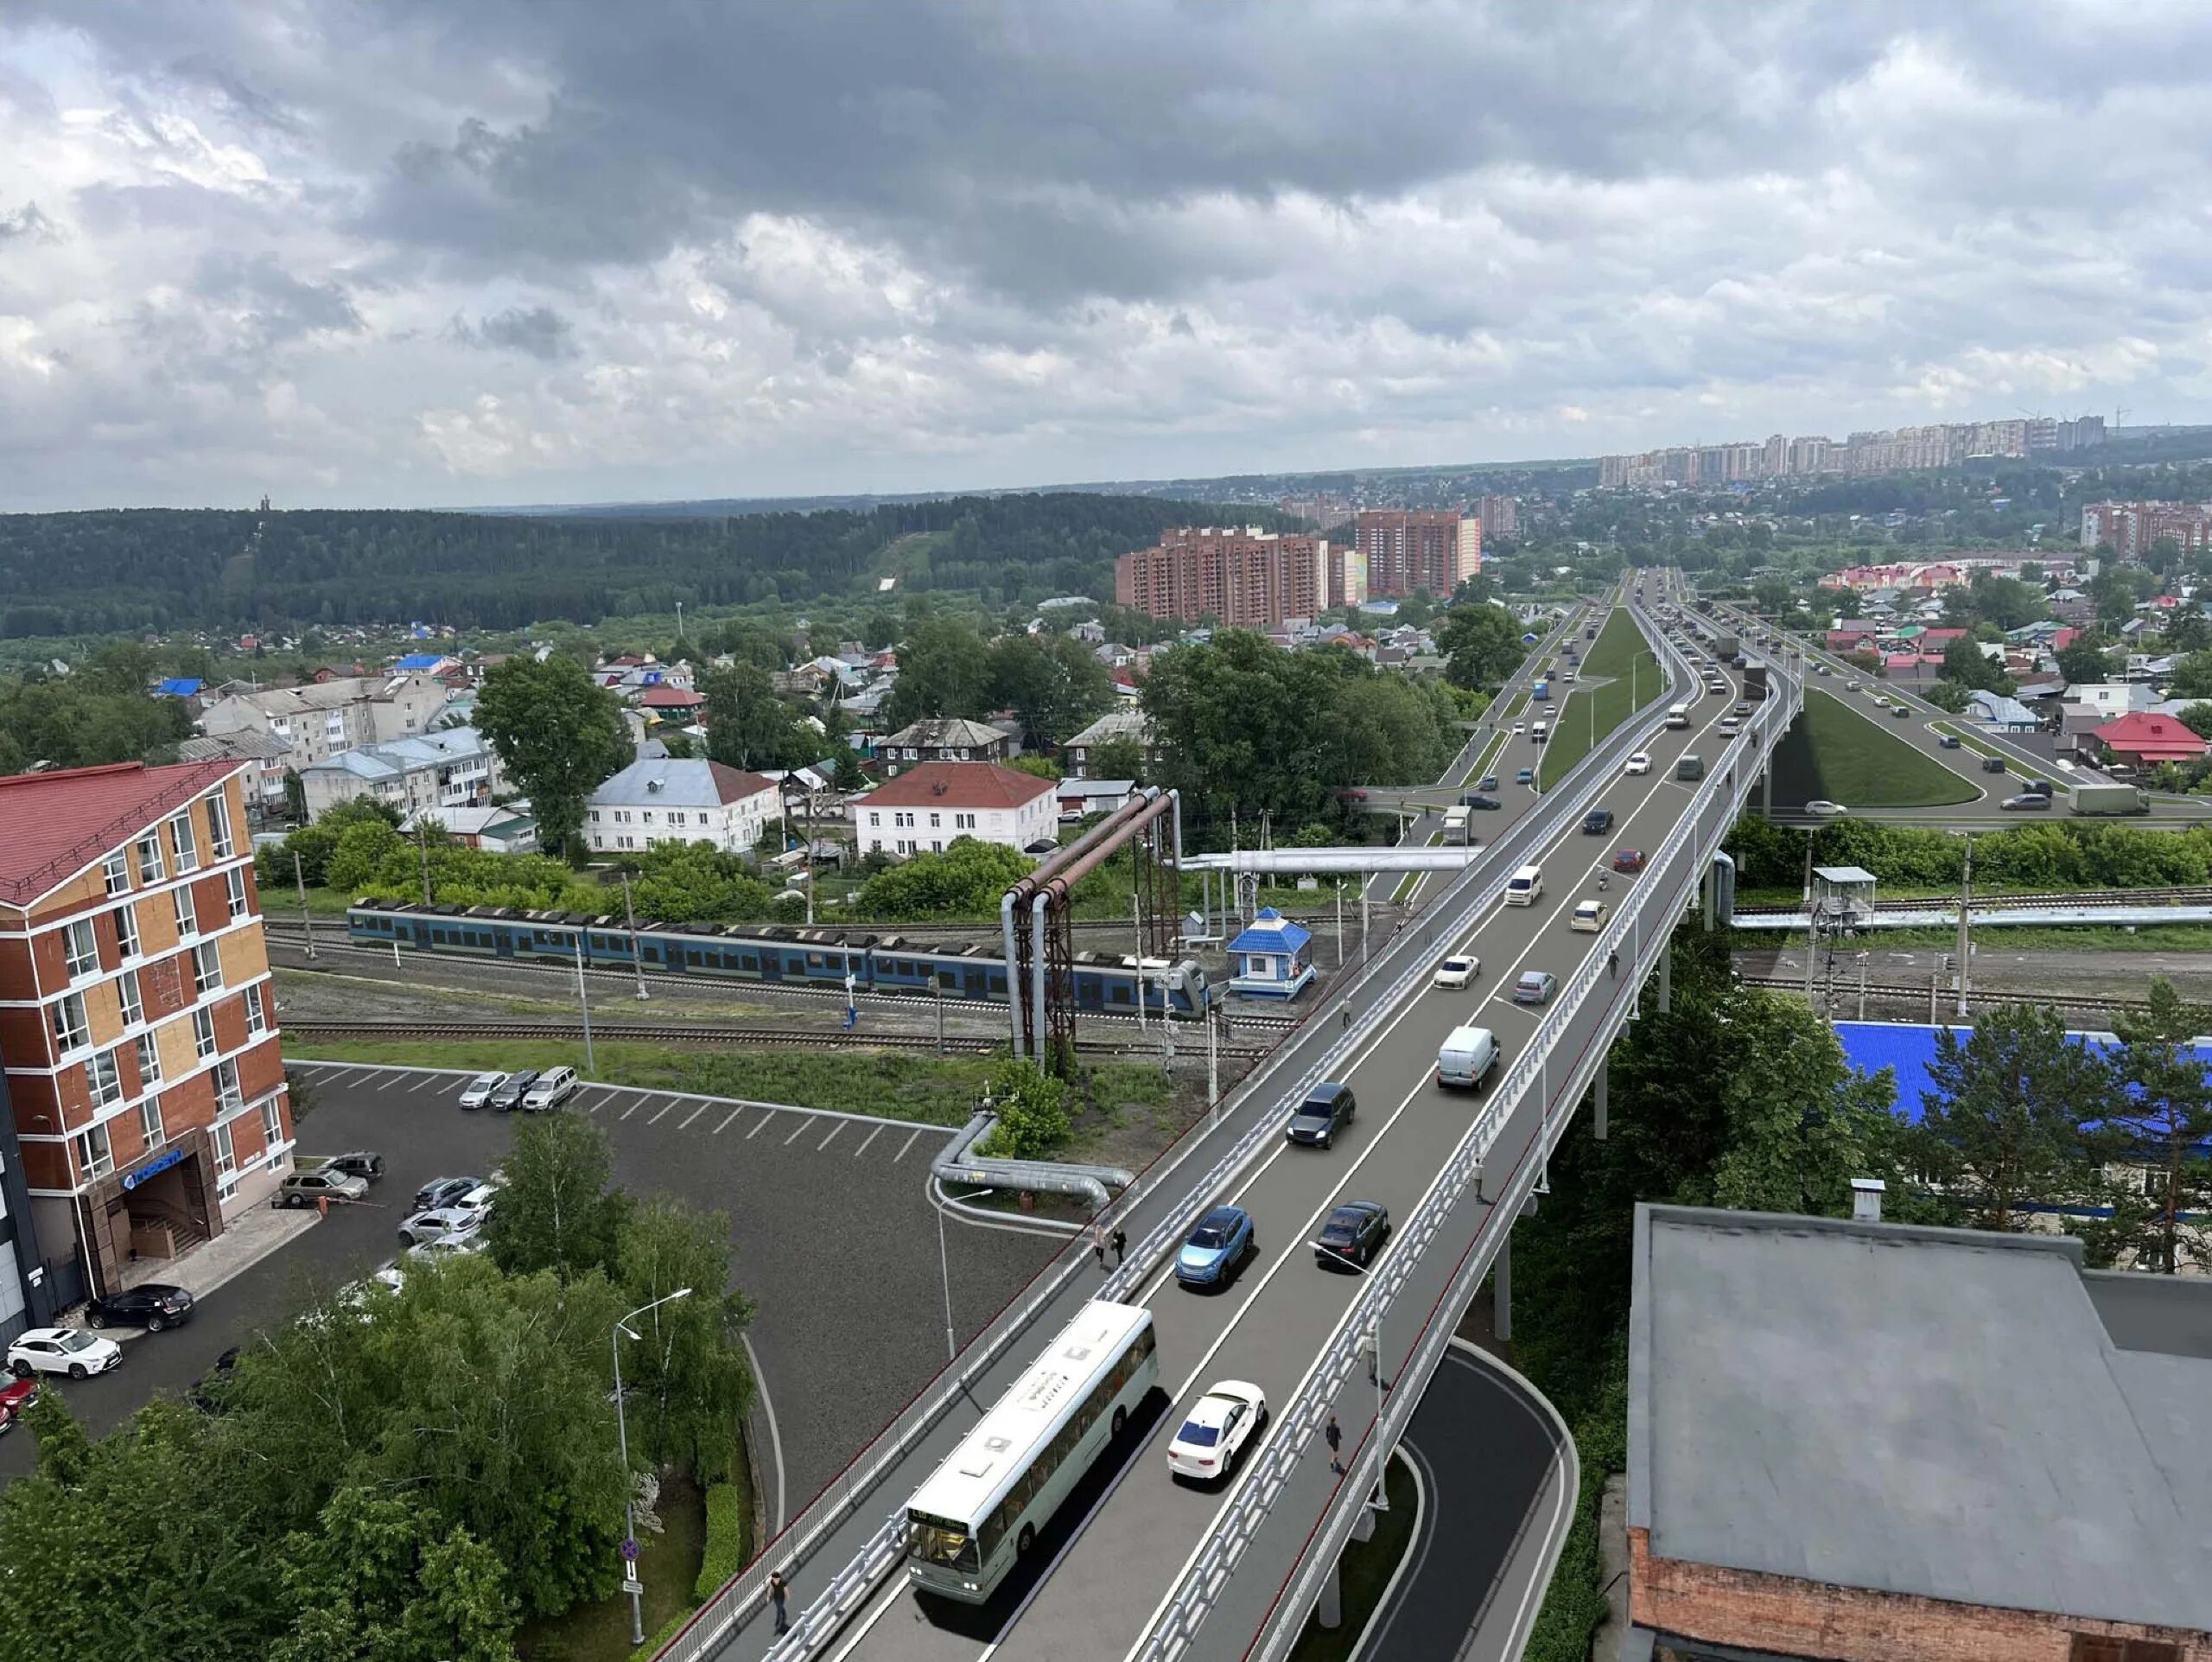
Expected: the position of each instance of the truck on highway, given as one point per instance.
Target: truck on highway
(1678, 715)
(1723, 647)
(2102, 798)
(1455, 827)
(1754, 682)
(1541, 693)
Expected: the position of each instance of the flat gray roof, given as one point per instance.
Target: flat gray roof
(1945, 1413)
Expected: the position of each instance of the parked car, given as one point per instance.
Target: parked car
(1589, 917)
(478, 1091)
(357, 1164)
(152, 1305)
(549, 1089)
(1220, 1429)
(512, 1090)
(15, 1397)
(1457, 970)
(1629, 860)
(304, 1188)
(448, 1246)
(62, 1350)
(1597, 822)
(1535, 987)
(439, 1224)
(1327, 1109)
(443, 1192)
(1221, 1242)
(2027, 802)
(1353, 1233)
(1822, 808)
(1640, 762)
(205, 1392)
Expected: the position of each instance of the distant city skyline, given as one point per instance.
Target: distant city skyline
(500, 254)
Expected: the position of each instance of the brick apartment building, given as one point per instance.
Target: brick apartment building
(1248, 579)
(2130, 528)
(1500, 517)
(1860, 1441)
(1410, 549)
(137, 1023)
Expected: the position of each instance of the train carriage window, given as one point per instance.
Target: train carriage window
(749, 961)
(1119, 993)
(998, 982)
(949, 979)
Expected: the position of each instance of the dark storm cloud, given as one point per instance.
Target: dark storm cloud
(535, 331)
(277, 305)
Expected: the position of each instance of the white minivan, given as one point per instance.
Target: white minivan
(551, 1088)
(1465, 1058)
(1525, 887)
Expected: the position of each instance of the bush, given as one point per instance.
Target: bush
(1032, 1109)
(725, 1554)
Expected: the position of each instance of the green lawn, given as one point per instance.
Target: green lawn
(668, 1563)
(1834, 752)
(1619, 676)
(1367, 1566)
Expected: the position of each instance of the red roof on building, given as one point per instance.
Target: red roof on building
(59, 823)
(2153, 738)
(672, 698)
(960, 784)
(1943, 636)
(734, 783)
(2062, 638)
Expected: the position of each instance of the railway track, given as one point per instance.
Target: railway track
(717, 1034)
(1843, 991)
(2087, 897)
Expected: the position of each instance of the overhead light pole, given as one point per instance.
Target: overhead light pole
(629, 1484)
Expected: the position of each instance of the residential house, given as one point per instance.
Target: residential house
(455, 768)
(680, 799)
(495, 830)
(946, 738)
(669, 703)
(1270, 956)
(266, 757)
(145, 1095)
(330, 718)
(1081, 798)
(931, 803)
(2006, 714)
(2142, 739)
(1127, 722)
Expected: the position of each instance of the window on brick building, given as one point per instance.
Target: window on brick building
(272, 1128)
(150, 870)
(95, 1158)
(235, 878)
(188, 915)
(126, 931)
(219, 828)
(203, 1033)
(115, 872)
(70, 1026)
(229, 1098)
(187, 845)
(206, 967)
(149, 1122)
(81, 948)
(150, 1058)
(103, 1079)
(126, 989)
(226, 1161)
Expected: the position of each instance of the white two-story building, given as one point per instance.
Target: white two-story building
(923, 810)
(679, 799)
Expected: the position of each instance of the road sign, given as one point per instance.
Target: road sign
(630, 1550)
(633, 1587)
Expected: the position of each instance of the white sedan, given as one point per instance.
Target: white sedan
(1457, 970)
(1639, 763)
(1222, 1425)
(1520, 727)
(62, 1350)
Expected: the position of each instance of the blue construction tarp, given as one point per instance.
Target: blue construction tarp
(1909, 1046)
(178, 688)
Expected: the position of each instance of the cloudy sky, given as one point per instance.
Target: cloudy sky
(359, 252)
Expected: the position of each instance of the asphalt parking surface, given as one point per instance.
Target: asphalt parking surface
(830, 1215)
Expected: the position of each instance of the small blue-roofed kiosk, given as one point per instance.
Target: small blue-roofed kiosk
(1271, 958)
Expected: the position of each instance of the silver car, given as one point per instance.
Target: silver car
(478, 1090)
(440, 1225)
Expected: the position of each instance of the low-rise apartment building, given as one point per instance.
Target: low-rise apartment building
(680, 799)
(926, 807)
(328, 718)
(137, 1025)
(453, 768)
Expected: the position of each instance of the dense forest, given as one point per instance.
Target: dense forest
(129, 570)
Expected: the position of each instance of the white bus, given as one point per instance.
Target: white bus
(1678, 715)
(982, 1510)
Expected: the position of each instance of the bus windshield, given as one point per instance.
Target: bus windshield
(941, 1541)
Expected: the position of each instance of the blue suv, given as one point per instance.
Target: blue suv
(1221, 1242)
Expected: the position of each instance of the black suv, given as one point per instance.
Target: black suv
(1597, 822)
(509, 1096)
(152, 1305)
(1327, 1108)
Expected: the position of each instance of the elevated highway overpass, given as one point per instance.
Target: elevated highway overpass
(1136, 1566)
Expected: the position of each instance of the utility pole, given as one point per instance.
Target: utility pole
(307, 922)
(1213, 1059)
(1366, 883)
(936, 990)
(1966, 927)
(1136, 919)
(1340, 922)
(584, 1002)
(423, 847)
(630, 913)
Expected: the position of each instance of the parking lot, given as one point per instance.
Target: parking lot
(830, 1215)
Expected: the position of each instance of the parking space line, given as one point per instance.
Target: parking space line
(422, 1079)
(695, 1114)
(663, 1115)
(870, 1137)
(631, 1109)
(794, 1136)
(832, 1138)
(762, 1126)
(724, 1126)
(903, 1147)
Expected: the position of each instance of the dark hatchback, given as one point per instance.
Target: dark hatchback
(1354, 1234)
(152, 1305)
(1327, 1108)
(1597, 822)
(1477, 800)
(509, 1096)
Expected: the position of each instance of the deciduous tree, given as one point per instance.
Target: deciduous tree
(558, 1210)
(559, 736)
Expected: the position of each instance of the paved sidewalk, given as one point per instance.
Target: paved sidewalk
(252, 1235)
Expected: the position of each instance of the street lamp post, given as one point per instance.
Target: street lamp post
(629, 1484)
(583, 999)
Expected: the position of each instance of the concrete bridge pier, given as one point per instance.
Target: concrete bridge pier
(1667, 980)
(1766, 794)
(1329, 1608)
(1501, 1290)
(1597, 1093)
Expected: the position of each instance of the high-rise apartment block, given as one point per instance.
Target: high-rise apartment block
(137, 1021)
(2130, 528)
(1248, 579)
(1410, 550)
(1891, 449)
(1500, 517)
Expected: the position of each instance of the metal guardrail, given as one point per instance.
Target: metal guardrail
(712, 1624)
(1235, 1528)
(1697, 833)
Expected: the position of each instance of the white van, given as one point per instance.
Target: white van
(1525, 887)
(1539, 732)
(1465, 1058)
(552, 1088)
(1678, 715)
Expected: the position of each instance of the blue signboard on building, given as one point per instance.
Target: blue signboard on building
(160, 1162)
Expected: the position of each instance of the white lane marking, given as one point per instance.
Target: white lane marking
(605, 1097)
(724, 1126)
(832, 1138)
(695, 1114)
(422, 1079)
(631, 1109)
(665, 1111)
(903, 1147)
(775, 1436)
(795, 1135)
(869, 1138)
(761, 1127)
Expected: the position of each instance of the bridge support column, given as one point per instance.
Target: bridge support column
(1364, 1529)
(1666, 979)
(1597, 1090)
(1501, 1285)
(1329, 1608)
(1766, 794)
(1708, 897)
